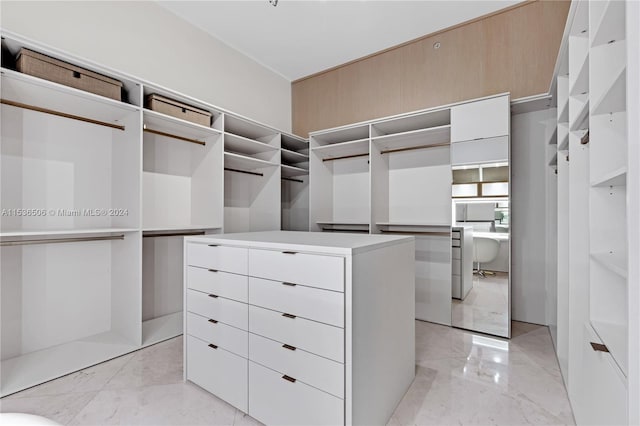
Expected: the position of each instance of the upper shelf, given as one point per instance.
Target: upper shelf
(342, 135)
(236, 161)
(292, 171)
(415, 138)
(582, 118)
(616, 263)
(614, 99)
(172, 125)
(246, 128)
(293, 143)
(421, 121)
(33, 91)
(293, 157)
(242, 145)
(344, 149)
(611, 25)
(580, 85)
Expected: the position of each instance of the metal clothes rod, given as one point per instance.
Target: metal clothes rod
(292, 179)
(174, 234)
(170, 135)
(243, 171)
(61, 114)
(434, 145)
(60, 240)
(434, 233)
(345, 156)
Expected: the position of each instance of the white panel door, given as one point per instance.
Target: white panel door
(481, 119)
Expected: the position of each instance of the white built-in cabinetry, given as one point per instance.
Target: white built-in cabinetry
(594, 288)
(393, 175)
(300, 328)
(97, 195)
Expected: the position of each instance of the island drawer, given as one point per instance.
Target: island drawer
(312, 270)
(307, 302)
(221, 258)
(231, 286)
(222, 335)
(217, 308)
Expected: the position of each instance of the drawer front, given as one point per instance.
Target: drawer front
(455, 267)
(218, 371)
(220, 309)
(231, 286)
(455, 235)
(309, 269)
(313, 370)
(227, 259)
(455, 243)
(307, 302)
(456, 253)
(222, 335)
(274, 400)
(317, 338)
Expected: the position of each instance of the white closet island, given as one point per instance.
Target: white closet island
(301, 327)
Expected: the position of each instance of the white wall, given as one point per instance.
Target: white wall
(529, 216)
(147, 41)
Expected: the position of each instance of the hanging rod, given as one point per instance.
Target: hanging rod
(434, 233)
(346, 156)
(292, 179)
(433, 145)
(243, 171)
(61, 114)
(170, 135)
(174, 234)
(60, 240)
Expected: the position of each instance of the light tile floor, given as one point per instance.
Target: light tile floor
(486, 307)
(461, 378)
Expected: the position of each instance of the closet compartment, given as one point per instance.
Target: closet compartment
(403, 156)
(294, 183)
(70, 159)
(339, 167)
(69, 301)
(252, 176)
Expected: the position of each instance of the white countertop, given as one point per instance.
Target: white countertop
(318, 242)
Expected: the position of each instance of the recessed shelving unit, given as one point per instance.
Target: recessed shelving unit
(294, 183)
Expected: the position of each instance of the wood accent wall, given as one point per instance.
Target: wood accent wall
(514, 50)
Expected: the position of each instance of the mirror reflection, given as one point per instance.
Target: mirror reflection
(481, 248)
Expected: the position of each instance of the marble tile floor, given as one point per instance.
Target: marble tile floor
(485, 309)
(461, 378)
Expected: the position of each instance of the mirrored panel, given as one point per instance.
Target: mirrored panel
(481, 245)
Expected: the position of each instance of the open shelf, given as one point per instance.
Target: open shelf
(553, 139)
(343, 226)
(349, 134)
(178, 228)
(293, 143)
(422, 121)
(614, 178)
(581, 82)
(563, 134)
(615, 262)
(554, 161)
(33, 368)
(248, 129)
(614, 97)
(415, 138)
(162, 328)
(292, 157)
(292, 171)
(615, 337)
(563, 116)
(65, 232)
(25, 89)
(343, 149)
(242, 162)
(581, 121)
(171, 125)
(611, 25)
(241, 145)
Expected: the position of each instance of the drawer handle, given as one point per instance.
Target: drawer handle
(212, 270)
(212, 245)
(212, 321)
(599, 347)
(289, 284)
(289, 316)
(289, 378)
(289, 252)
(215, 296)
(211, 345)
(291, 348)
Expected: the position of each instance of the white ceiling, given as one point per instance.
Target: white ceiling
(298, 38)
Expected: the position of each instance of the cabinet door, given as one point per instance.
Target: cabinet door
(481, 119)
(601, 398)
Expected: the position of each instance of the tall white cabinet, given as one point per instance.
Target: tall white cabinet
(394, 176)
(597, 349)
(96, 198)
